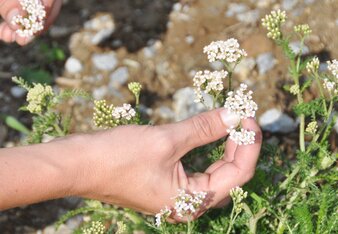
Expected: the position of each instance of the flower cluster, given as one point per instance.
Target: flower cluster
(103, 114)
(333, 68)
(241, 103)
(312, 127)
(121, 228)
(108, 116)
(135, 88)
(38, 98)
(96, 227)
(273, 23)
(33, 21)
(294, 89)
(227, 51)
(302, 29)
(187, 204)
(330, 86)
(162, 216)
(313, 65)
(209, 82)
(242, 136)
(124, 112)
(238, 195)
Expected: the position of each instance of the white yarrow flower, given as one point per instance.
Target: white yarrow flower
(208, 82)
(227, 51)
(187, 204)
(33, 21)
(159, 217)
(242, 137)
(333, 68)
(241, 103)
(330, 86)
(124, 112)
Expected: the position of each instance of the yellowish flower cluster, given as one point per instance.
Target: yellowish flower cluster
(38, 98)
(302, 29)
(273, 22)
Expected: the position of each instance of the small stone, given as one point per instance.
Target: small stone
(100, 93)
(105, 62)
(18, 92)
(165, 112)
(63, 229)
(189, 39)
(250, 17)
(296, 45)
(265, 62)
(236, 8)
(3, 134)
(59, 31)
(336, 126)
(289, 4)
(102, 27)
(244, 68)
(308, 2)
(274, 120)
(217, 65)
(73, 65)
(119, 77)
(184, 105)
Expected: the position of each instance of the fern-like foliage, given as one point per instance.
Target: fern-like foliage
(303, 218)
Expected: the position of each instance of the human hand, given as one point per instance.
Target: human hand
(10, 8)
(139, 166)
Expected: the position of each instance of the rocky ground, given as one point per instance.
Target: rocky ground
(159, 44)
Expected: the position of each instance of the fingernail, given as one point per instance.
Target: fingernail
(11, 14)
(231, 120)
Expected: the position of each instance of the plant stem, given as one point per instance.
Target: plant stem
(58, 130)
(189, 231)
(321, 91)
(231, 220)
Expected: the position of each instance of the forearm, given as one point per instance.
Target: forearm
(30, 174)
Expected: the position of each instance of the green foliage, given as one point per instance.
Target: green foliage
(12, 122)
(52, 53)
(36, 75)
(303, 218)
(310, 108)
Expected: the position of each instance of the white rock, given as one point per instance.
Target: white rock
(73, 65)
(165, 112)
(18, 92)
(244, 68)
(336, 124)
(295, 47)
(100, 93)
(189, 39)
(184, 105)
(101, 27)
(119, 77)
(250, 17)
(236, 8)
(289, 4)
(105, 62)
(265, 62)
(63, 229)
(274, 120)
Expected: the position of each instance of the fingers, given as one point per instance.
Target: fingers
(236, 173)
(246, 156)
(9, 9)
(202, 129)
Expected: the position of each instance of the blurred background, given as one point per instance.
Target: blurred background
(99, 46)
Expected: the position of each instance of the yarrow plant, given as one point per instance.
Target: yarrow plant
(33, 20)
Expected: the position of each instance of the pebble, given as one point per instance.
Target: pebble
(59, 31)
(119, 77)
(236, 8)
(244, 68)
(289, 4)
(105, 62)
(274, 120)
(100, 93)
(336, 126)
(73, 65)
(18, 92)
(265, 62)
(184, 105)
(250, 17)
(189, 39)
(165, 112)
(296, 45)
(102, 27)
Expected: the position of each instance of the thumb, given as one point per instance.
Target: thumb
(9, 9)
(203, 128)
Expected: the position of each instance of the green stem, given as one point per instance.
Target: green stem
(321, 91)
(328, 122)
(189, 231)
(231, 220)
(58, 130)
